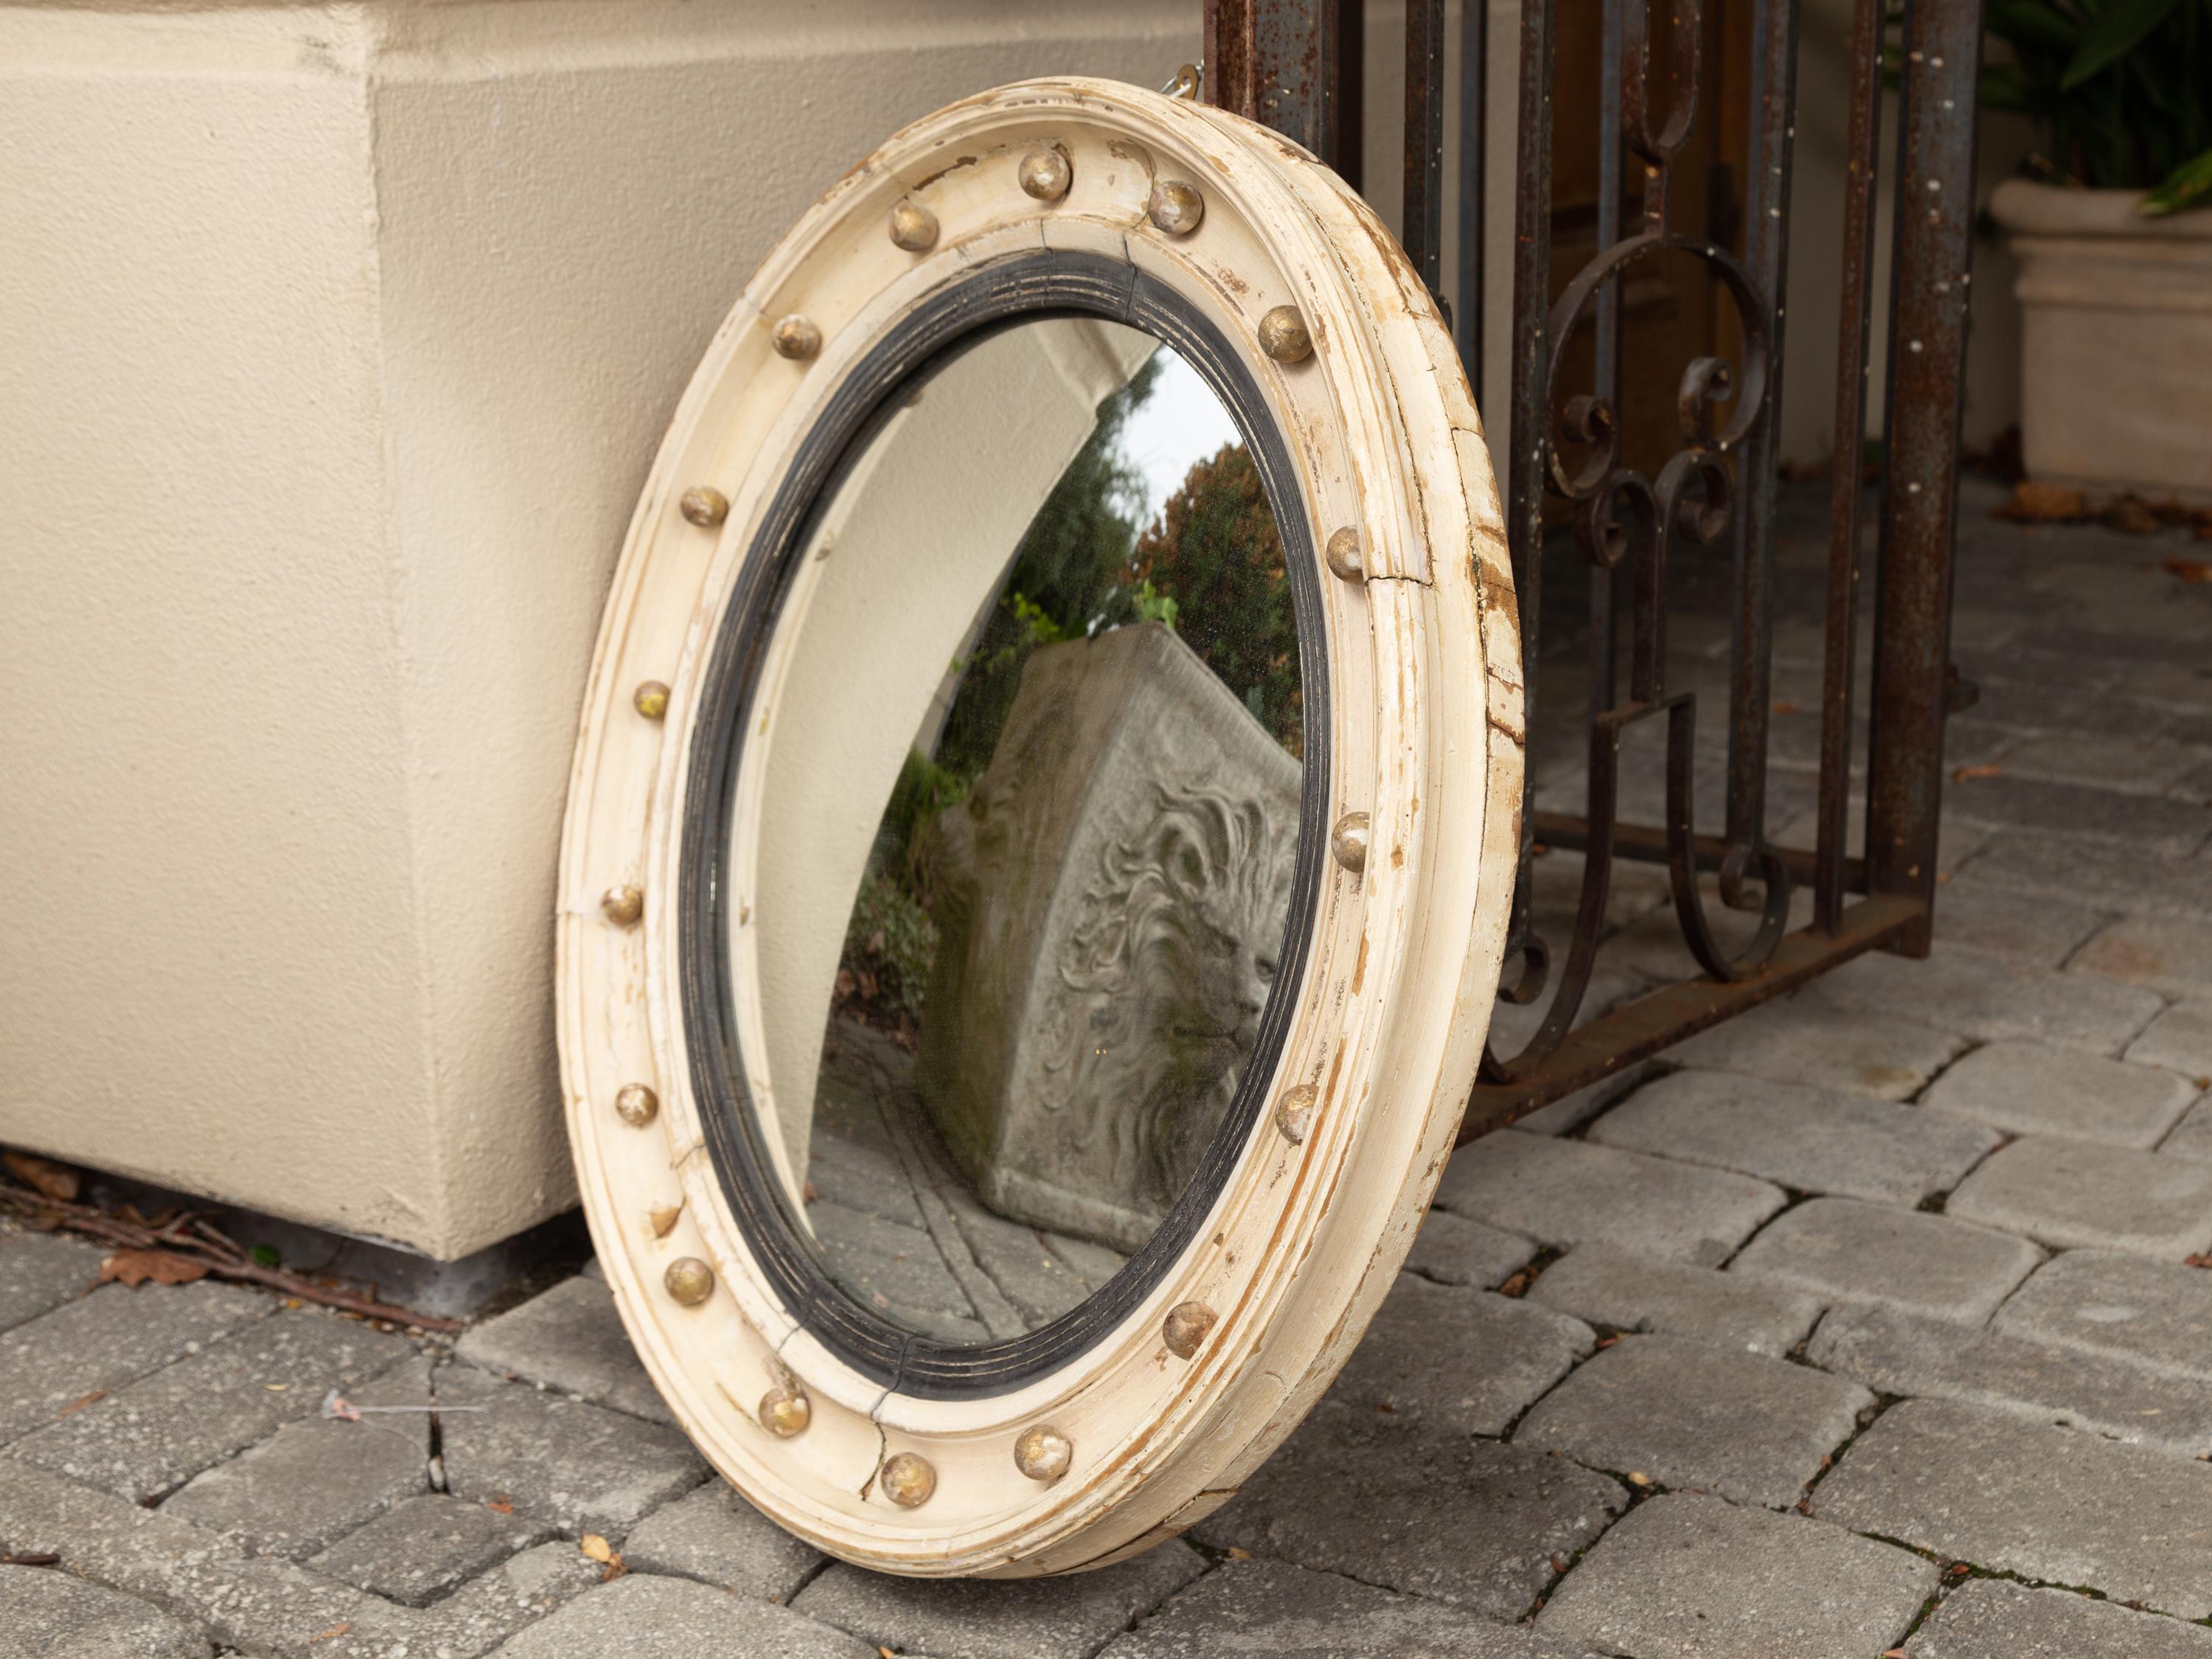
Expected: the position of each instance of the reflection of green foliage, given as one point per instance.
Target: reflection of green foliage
(1064, 582)
(1216, 549)
(890, 944)
(1153, 605)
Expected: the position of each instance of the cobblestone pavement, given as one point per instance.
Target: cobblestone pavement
(1864, 1324)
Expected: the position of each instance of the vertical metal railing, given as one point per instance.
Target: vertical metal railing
(1294, 62)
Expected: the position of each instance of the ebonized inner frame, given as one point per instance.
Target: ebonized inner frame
(1044, 282)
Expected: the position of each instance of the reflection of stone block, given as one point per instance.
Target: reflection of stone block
(1111, 900)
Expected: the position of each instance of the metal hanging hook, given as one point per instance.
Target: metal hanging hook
(1185, 82)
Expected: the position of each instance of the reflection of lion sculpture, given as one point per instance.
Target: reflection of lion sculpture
(1110, 901)
(1167, 969)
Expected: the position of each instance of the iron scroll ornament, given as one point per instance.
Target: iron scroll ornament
(1622, 517)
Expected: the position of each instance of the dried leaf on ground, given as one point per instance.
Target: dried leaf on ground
(135, 1267)
(78, 1405)
(2197, 1261)
(2189, 570)
(2132, 516)
(501, 1505)
(606, 1554)
(2042, 503)
(1968, 773)
(44, 1175)
(332, 1633)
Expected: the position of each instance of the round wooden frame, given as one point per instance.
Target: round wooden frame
(1402, 961)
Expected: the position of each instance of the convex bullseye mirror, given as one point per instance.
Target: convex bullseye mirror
(1036, 867)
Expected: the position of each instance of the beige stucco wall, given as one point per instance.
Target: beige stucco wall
(337, 340)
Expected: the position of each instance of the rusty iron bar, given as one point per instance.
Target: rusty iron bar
(1639, 1029)
(1647, 843)
(1473, 183)
(1291, 64)
(1294, 63)
(1774, 96)
(1846, 486)
(1422, 229)
(1930, 272)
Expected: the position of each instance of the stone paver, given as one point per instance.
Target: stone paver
(47, 1613)
(1818, 1045)
(1975, 914)
(2049, 1504)
(1990, 1000)
(1270, 1610)
(999, 1618)
(647, 1617)
(155, 1435)
(265, 1606)
(39, 1271)
(292, 1494)
(1467, 1360)
(2032, 1089)
(1453, 1250)
(2171, 954)
(580, 1467)
(571, 1339)
(102, 1341)
(2156, 1315)
(2070, 1193)
(2192, 1136)
(1898, 1354)
(1419, 1508)
(417, 1551)
(2151, 823)
(1618, 1288)
(716, 1536)
(1687, 1414)
(2120, 878)
(2181, 1039)
(1813, 1139)
(1839, 1249)
(1991, 1618)
(1684, 1576)
(1565, 1193)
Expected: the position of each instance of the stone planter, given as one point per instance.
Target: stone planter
(2116, 370)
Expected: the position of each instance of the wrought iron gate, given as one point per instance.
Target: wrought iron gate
(1296, 65)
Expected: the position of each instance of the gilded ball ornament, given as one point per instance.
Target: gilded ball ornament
(908, 1480)
(704, 506)
(1185, 1327)
(785, 1410)
(795, 338)
(636, 1105)
(689, 1281)
(1348, 841)
(1294, 1112)
(1285, 337)
(1175, 207)
(1046, 175)
(622, 906)
(914, 228)
(1043, 1453)
(1347, 559)
(651, 700)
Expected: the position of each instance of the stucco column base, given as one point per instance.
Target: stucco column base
(338, 339)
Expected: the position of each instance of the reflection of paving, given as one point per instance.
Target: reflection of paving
(901, 1227)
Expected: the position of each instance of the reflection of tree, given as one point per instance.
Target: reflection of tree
(1216, 550)
(1210, 566)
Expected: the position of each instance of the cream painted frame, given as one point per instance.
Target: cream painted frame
(1402, 964)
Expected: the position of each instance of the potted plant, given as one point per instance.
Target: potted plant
(2114, 240)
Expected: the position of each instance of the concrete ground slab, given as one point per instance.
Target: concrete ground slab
(1838, 1249)
(1991, 1618)
(2070, 1194)
(2033, 1089)
(639, 1616)
(571, 1339)
(2157, 1314)
(1817, 1045)
(48, 1613)
(1689, 1415)
(1627, 1292)
(1466, 1358)
(716, 1536)
(1686, 1577)
(2048, 1504)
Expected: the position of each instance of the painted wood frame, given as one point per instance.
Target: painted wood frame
(1400, 967)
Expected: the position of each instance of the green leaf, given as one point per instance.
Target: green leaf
(264, 1255)
(2033, 23)
(2113, 34)
(2189, 185)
